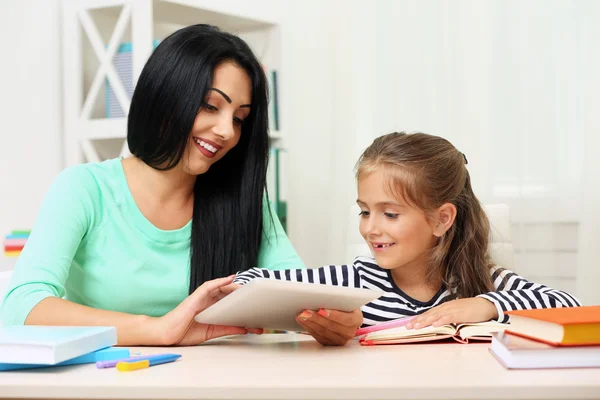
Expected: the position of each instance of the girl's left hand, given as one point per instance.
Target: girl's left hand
(330, 327)
(474, 309)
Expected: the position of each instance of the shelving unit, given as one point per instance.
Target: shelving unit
(7, 263)
(92, 32)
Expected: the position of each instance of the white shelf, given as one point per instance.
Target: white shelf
(7, 263)
(104, 24)
(183, 13)
(276, 136)
(103, 128)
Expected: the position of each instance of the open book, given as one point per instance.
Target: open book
(462, 333)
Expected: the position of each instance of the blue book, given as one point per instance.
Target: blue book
(17, 236)
(51, 345)
(108, 354)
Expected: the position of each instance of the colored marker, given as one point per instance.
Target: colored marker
(135, 365)
(395, 323)
(113, 363)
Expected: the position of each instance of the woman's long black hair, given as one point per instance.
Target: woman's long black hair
(229, 198)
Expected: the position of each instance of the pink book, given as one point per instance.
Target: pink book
(395, 323)
(15, 242)
(462, 333)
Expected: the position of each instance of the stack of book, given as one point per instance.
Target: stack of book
(550, 338)
(14, 242)
(26, 347)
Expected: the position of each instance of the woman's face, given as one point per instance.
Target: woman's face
(218, 125)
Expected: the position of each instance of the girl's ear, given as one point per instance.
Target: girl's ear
(445, 216)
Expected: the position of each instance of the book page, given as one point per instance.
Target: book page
(481, 329)
(402, 332)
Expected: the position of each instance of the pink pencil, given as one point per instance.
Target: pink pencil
(395, 323)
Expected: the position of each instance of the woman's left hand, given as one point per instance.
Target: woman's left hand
(474, 309)
(330, 327)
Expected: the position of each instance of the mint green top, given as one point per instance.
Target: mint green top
(92, 245)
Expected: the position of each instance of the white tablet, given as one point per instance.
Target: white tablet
(274, 304)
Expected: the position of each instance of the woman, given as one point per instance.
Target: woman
(124, 242)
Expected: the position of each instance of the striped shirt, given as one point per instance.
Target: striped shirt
(512, 291)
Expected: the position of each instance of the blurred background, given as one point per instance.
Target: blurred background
(512, 84)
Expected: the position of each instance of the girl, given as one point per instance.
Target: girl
(429, 236)
(131, 242)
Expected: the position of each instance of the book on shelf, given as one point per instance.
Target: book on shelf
(462, 333)
(275, 185)
(12, 241)
(517, 352)
(16, 238)
(8, 248)
(273, 112)
(565, 326)
(21, 232)
(275, 100)
(122, 61)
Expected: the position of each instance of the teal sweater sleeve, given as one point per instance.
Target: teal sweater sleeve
(91, 245)
(43, 266)
(276, 251)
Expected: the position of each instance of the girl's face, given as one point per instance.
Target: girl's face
(398, 234)
(218, 125)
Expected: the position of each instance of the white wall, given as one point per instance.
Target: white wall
(512, 84)
(30, 138)
(588, 272)
(506, 82)
(307, 120)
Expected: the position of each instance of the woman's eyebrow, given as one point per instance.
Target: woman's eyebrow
(227, 98)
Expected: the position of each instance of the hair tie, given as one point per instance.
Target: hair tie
(465, 157)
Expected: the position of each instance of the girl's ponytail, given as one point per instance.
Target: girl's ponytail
(461, 255)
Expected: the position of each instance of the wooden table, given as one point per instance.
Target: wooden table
(294, 366)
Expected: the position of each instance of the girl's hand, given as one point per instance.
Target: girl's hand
(178, 326)
(474, 309)
(330, 327)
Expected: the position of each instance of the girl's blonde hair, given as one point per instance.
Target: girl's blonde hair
(426, 172)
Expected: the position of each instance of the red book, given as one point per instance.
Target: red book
(13, 248)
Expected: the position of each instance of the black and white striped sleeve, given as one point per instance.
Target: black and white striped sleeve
(514, 292)
(335, 275)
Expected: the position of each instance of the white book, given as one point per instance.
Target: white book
(33, 344)
(516, 352)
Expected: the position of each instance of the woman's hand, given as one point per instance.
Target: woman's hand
(474, 309)
(178, 326)
(330, 327)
